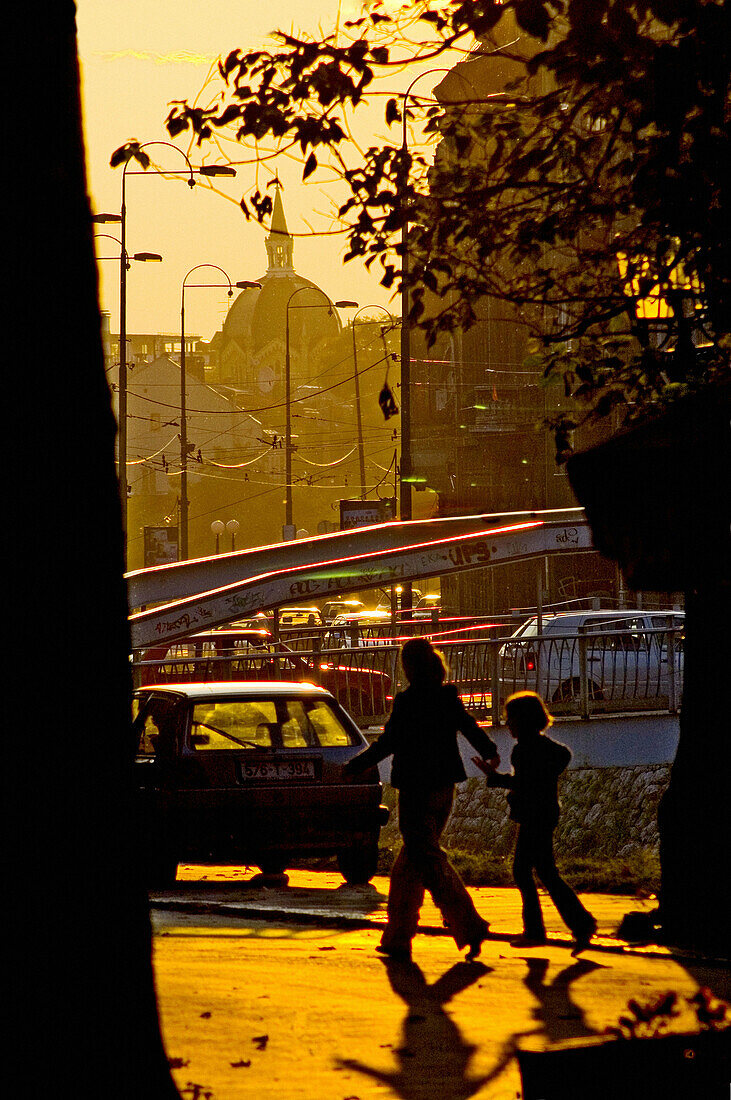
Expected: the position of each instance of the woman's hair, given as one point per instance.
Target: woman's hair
(422, 662)
(528, 710)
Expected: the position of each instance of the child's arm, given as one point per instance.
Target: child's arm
(494, 777)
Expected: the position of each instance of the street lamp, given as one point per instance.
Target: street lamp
(289, 531)
(205, 170)
(406, 470)
(232, 526)
(124, 265)
(217, 529)
(141, 256)
(184, 449)
(405, 479)
(356, 378)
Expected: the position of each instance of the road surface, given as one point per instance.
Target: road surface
(272, 1008)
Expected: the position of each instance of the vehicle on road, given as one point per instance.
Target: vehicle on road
(299, 616)
(251, 772)
(386, 600)
(333, 608)
(245, 654)
(625, 655)
(428, 606)
(359, 628)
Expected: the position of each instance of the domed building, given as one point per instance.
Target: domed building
(252, 346)
(248, 363)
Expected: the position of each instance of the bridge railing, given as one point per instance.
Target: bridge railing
(579, 675)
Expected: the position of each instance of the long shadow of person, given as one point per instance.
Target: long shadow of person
(432, 1047)
(559, 1017)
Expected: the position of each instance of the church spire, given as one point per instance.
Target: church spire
(279, 243)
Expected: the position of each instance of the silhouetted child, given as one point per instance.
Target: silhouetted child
(533, 799)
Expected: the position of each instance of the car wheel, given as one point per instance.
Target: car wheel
(161, 870)
(571, 689)
(273, 865)
(359, 864)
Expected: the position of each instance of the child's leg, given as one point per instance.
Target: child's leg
(572, 912)
(523, 864)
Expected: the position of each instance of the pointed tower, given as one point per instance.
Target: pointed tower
(279, 243)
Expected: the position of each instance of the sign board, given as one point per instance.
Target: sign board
(161, 545)
(364, 513)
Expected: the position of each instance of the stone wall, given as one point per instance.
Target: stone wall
(605, 813)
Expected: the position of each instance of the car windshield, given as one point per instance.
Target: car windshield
(261, 723)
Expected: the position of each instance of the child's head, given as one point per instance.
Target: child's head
(526, 713)
(422, 663)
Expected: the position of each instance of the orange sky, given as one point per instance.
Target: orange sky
(135, 58)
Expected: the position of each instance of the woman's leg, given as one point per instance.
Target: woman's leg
(430, 816)
(405, 897)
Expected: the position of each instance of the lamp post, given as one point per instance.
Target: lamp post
(356, 379)
(405, 479)
(232, 526)
(217, 529)
(289, 530)
(243, 285)
(204, 170)
(124, 266)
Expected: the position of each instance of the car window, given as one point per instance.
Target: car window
(233, 724)
(313, 722)
(328, 727)
(156, 721)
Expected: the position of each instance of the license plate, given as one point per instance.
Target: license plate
(281, 770)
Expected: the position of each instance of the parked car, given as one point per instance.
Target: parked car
(385, 601)
(244, 654)
(263, 620)
(299, 616)
(359, 628)
(333, 608)
(626, 655)
(251, 773)
(427, 605)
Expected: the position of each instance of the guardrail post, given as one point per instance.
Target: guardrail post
(672, 680)
(583, 674)
(494, 650)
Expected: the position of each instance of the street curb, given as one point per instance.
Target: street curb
(338, 920)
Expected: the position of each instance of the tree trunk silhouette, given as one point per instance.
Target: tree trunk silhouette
(656, 497)
(83, 1009)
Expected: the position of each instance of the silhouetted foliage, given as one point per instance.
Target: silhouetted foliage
(591, 190)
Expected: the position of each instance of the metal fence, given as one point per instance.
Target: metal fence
(586, 673)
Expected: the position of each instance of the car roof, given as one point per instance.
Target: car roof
(223, 631)
(609, 614)
(565, 617)
(358, 616)
(246, 689)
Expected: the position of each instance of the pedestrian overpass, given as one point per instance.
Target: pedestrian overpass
(197, 595)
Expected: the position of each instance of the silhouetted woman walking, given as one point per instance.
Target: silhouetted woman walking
(421, 735)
